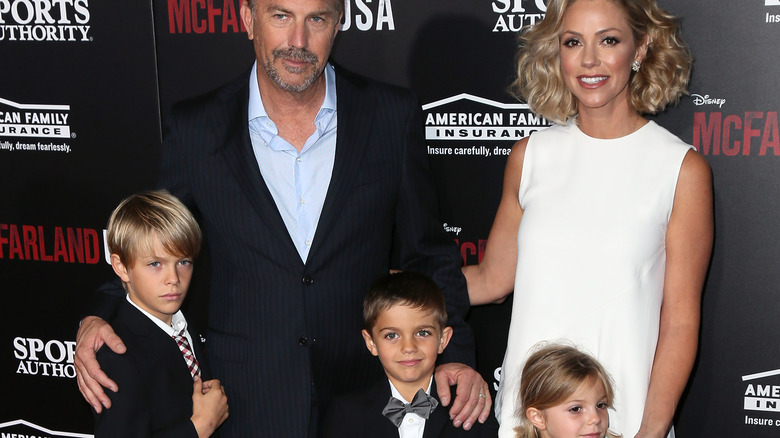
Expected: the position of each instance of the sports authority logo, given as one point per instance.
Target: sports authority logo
(762, 399)
(44, 20)
(472, 118)
(748, 133)
(50, 358)
(25, 429)
(514, 14)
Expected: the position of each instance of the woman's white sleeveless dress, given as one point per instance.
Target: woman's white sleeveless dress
(591, 257)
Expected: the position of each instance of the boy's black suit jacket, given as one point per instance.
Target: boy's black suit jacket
(360, 415)
(155, 384)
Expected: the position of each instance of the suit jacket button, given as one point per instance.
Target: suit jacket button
(308, 280)
(302, 341)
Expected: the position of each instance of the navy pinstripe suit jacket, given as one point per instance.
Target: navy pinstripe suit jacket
(284, 336)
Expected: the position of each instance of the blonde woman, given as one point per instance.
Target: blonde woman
(604, 230)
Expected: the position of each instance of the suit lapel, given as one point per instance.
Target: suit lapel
(354, 109)
(240, 158)
(438, 419)
(156, 340)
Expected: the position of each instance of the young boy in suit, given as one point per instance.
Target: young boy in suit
(406, 327)
(152, 238)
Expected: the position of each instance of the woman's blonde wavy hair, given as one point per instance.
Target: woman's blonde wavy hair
(662, 79)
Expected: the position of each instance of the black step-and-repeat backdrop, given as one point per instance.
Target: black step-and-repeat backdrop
(85, 86)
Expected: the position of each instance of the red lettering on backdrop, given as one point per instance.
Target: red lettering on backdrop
(213, 12)
(15, 245)
(59, 245)
(75, 245)
(3, 240)
(229, 17)
(749, 131)
(30, 242)
(91, 242)
(728, 122)
(198, 27)
(44, 257)
(470, 249)
(706, 134)
(770, 130)
(711, 137)
(70, 245)
(184, 16)
(467, 248)
(179, 16)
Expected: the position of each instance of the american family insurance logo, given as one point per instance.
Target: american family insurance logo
(31, 120)
(762, 399)
(45, 20)
(34, 127)
(514, 14)
(772, 17)
(477, 120)
(25, 429)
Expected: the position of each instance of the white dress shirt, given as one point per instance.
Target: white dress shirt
(178, 323)
(413, 425)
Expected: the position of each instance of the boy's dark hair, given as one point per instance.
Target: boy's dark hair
(407, 289)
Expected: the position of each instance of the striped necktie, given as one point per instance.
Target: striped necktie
(186, 351)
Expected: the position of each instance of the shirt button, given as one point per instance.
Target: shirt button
(308, 242)
(302, 341)
(308, 280)
(298, 159)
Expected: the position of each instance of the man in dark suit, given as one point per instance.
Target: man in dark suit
(300, 212)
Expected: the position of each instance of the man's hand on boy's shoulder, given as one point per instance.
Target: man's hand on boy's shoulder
(93, 334)
(472, 401)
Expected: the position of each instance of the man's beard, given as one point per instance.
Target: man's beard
(296, 54)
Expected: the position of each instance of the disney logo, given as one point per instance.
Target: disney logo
(450, 229)
(699, 100)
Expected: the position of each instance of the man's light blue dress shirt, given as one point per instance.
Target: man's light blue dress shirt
(298, 181)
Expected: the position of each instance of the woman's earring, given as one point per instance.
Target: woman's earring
(636, 66)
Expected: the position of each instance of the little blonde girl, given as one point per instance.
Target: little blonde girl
(564, 393)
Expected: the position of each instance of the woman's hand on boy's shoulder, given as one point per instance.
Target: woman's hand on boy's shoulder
(472, 401)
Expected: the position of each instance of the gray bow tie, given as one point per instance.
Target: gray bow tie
(422, 405)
